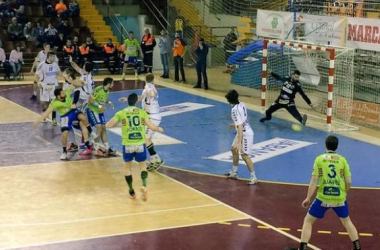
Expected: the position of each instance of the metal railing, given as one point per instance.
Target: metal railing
(111, 14)
(153, 8)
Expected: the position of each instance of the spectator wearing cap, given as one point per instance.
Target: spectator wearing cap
(202, 51)
(16, 60)
(15, 30)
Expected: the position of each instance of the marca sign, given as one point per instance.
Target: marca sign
(266, 149)
(363, 33)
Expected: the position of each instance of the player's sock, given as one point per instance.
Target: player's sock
(89, 129)
(53, 115)
(303, 246)
(253, 174)
(144, 176)
(64, 149)
(234, 168)
(129, 180)
(151, 150)
(87, 144)
(106, 145)
(35, 93)
(356, 245)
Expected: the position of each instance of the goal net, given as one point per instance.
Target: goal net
(327, 77)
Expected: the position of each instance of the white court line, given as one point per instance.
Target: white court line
(106, 217)
(42, 139)
(243, 213)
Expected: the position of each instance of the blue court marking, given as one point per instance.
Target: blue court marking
(205, 134)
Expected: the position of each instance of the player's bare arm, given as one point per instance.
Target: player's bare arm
(111, 123)
(311, 191)
(153, 127)
(35, 63)
(74, 65)
(237, 145)
(43, 116)
(348, 182)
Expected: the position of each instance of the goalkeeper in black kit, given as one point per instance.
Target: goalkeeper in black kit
(290, 87)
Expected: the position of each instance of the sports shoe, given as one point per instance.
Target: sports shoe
(132, 194)
(72, 148)
(33, 97)
(64, 157)
(99, 153)
(87, 151)
(263, 119)
(253, 181)
(55, 123)
(304, 119)
(232, 174)
(111, 152)
(157, 164)
(150, 166)
(144, 193)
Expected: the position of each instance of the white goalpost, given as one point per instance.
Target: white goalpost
(327, 77)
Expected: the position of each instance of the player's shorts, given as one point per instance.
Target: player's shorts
(95, 118)
(130, 60)
(75, 125)
(319, 208)
(68, 119)
(47, 92)
(246, 143)
(156, 120)
(136, 152)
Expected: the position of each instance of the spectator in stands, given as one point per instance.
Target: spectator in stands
(165, 46)
(84, 53)
(63, 28)
(148, 42)
(15, 30)
(59, 42)
(16, 61)
(48, 8)
(229, 45)
(21, 16)
(13, 7)
(74, 8)
(92, 46)
(50, 34)
(5, 64)
(4, 9)
(179, 51)
(76, 53)
(110, 54)
(68, 50)
(40, 34)
(61, 9)
(30, 32)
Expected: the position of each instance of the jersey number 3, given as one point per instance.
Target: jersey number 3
(333, 172)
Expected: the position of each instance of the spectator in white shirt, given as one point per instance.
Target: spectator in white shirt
(16, 60)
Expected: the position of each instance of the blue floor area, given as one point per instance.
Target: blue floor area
(205, 134)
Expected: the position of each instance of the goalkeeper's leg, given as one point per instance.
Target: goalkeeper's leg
(273, 108)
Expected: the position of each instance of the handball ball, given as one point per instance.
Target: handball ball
(297, 127)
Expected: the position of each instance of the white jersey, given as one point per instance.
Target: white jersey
(89, 83)
(83, 98)
(240, 117)
(149, 103)
(48, 73)
(42, 56)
